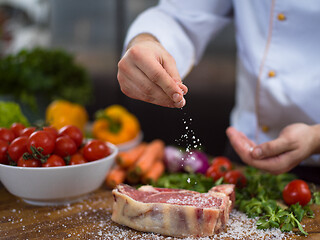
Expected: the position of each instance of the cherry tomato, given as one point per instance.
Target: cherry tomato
(219, 167)
(28, 162)
(223, 162)
(54, 161)
(296, 191)
(235, 177)
(65, 146)
(214, 172)
(77, 159)
(4, 152)
(73, 132)
(28, 131)
(17, 148)
(95, 149)
(17, 128)
(6, 135)
(41, 140)
(52, 132)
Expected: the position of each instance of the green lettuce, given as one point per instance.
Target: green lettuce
(10, 112)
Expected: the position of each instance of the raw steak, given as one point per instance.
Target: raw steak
(172, 212)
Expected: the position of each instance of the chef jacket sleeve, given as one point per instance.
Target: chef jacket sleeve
(183, 27)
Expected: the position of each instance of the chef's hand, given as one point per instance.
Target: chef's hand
(295, 143)
(148, 72)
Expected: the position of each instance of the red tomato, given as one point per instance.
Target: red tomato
(65, 146)
(6, 135)
(52, 132)
(4, 152)
(296, 191)
(17, 128)
(28, 162)
(77, 159)
(41, 140)
(95, 149)
(54, 161)
(235, 177)
(17, 148)
(214, 172)
(27, 131)
(223, 162)
(219, 167)
(73, 132)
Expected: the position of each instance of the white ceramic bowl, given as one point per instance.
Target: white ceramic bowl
(56, 185)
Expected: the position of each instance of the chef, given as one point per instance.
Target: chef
(275, 123)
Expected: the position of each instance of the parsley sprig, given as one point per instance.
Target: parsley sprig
(259, 199)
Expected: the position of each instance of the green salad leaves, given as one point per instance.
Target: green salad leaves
(10, 112)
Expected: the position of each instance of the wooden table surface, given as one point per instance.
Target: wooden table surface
(87, 219)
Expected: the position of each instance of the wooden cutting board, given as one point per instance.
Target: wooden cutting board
(91, 219)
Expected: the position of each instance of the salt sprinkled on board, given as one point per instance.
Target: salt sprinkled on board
(239, 227)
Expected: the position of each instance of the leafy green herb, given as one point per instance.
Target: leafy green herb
(44, 73)
(316, 198)
(258, 199)
(190, 181)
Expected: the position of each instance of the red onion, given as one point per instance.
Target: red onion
(173, 159)
(196, 161)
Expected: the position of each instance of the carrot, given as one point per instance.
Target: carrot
(128, 158)
(116, 176)
(153, 152)
(154, 173)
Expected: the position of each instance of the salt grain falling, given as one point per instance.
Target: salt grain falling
(188, 139)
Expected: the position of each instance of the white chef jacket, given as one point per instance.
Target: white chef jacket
(278, 43)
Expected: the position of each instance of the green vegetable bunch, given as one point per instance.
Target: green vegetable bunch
(259, 199)
(190, 181)
(46, 73)
(10, 112)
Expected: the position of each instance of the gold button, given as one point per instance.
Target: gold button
(272, 73)
(265, 128)
(281, 17)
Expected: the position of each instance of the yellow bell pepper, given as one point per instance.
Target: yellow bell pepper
(116, 125)
(61, 113)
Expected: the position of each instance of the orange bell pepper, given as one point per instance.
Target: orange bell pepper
(116, 125)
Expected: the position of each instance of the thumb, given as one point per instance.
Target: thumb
(271, 149)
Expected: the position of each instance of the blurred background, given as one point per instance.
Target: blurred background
(93, 32)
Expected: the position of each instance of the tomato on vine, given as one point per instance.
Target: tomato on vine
(42, 141)
(54, 161)
(22, 162)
